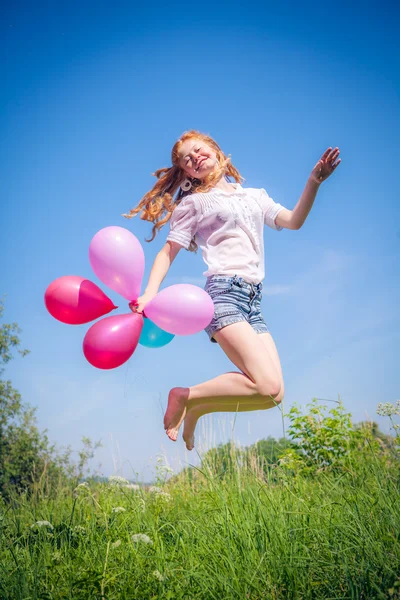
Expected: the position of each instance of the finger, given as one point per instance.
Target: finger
(326, 153)
(336, 164)
(333, 156)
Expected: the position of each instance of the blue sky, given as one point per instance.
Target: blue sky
(93, 99)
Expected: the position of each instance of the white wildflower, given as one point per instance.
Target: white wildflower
(117, 480)
(42, 524)
(386, 409)
(118, 509)
(160, 493)
(116, 544)
(158, 575)
(141, 537)
(79, 529)
(132, 486)
(164, 496)
(81, 487)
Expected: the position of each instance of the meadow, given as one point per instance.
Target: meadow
(312, 516)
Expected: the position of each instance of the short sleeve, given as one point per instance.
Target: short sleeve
(183, 223)
(271, 210)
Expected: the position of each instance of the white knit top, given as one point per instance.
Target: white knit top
(229, 229)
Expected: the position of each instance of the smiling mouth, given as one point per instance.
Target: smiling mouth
(200, 163)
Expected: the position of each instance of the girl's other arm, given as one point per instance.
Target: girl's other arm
(162, 263)
(294, 219)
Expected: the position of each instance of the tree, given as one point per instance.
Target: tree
(26, 454)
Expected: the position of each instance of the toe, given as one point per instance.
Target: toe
(172, 434)
(190, 443)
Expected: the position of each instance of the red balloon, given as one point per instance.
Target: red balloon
(75, 300)
(111, 341)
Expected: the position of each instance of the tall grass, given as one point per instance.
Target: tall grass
(217, 532)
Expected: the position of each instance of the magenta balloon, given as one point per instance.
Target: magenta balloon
(75, 300)
(111, 341)
(117, 258)
(181, 309)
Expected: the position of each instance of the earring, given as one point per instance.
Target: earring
(186, 185)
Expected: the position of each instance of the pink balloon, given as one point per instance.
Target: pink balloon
(181, 309)
(117, 258)
(75, 300)
(111, 341)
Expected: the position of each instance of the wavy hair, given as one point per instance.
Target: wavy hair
(159, 203)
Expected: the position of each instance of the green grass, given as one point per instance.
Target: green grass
(214, 535)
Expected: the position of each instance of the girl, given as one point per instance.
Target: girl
(226, 221)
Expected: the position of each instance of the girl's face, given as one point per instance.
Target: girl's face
(196, 158)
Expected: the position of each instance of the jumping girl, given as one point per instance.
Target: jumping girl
(205, 209)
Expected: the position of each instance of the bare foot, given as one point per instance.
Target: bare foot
(175, 412)
(192, 416)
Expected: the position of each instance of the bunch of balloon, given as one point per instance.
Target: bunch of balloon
(117, 258)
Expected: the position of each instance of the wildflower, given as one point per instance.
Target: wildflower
(141, 537)
(164, 496)
(132, 486)
(160, 493)
(42, 524)
(117, 480)
(118, 509)
(116, 544)
(84, 486)
(79, 529)
(158, 575)
(387, 409)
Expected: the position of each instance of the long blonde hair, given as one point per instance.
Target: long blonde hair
(159, 203)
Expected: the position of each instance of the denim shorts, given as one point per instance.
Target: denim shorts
(234, 300)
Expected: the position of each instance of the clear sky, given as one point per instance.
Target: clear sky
(93, 97)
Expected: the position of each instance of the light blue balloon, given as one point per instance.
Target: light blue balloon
(154, 337)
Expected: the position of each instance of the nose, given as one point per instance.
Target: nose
(196, 159)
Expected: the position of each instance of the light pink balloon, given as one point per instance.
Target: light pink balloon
(117, 258)
(111, 341)
(75, 300)
(181, 309)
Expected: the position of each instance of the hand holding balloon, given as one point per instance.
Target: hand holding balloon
(117, 258)
(137, 306)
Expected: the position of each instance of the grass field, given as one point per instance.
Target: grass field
(230, 529)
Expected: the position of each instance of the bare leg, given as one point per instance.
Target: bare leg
(198, 410)
(259, 381)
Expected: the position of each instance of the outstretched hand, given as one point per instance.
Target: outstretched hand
(137, 306)
(326, 165)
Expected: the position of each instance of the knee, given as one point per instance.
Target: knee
(272, 388)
